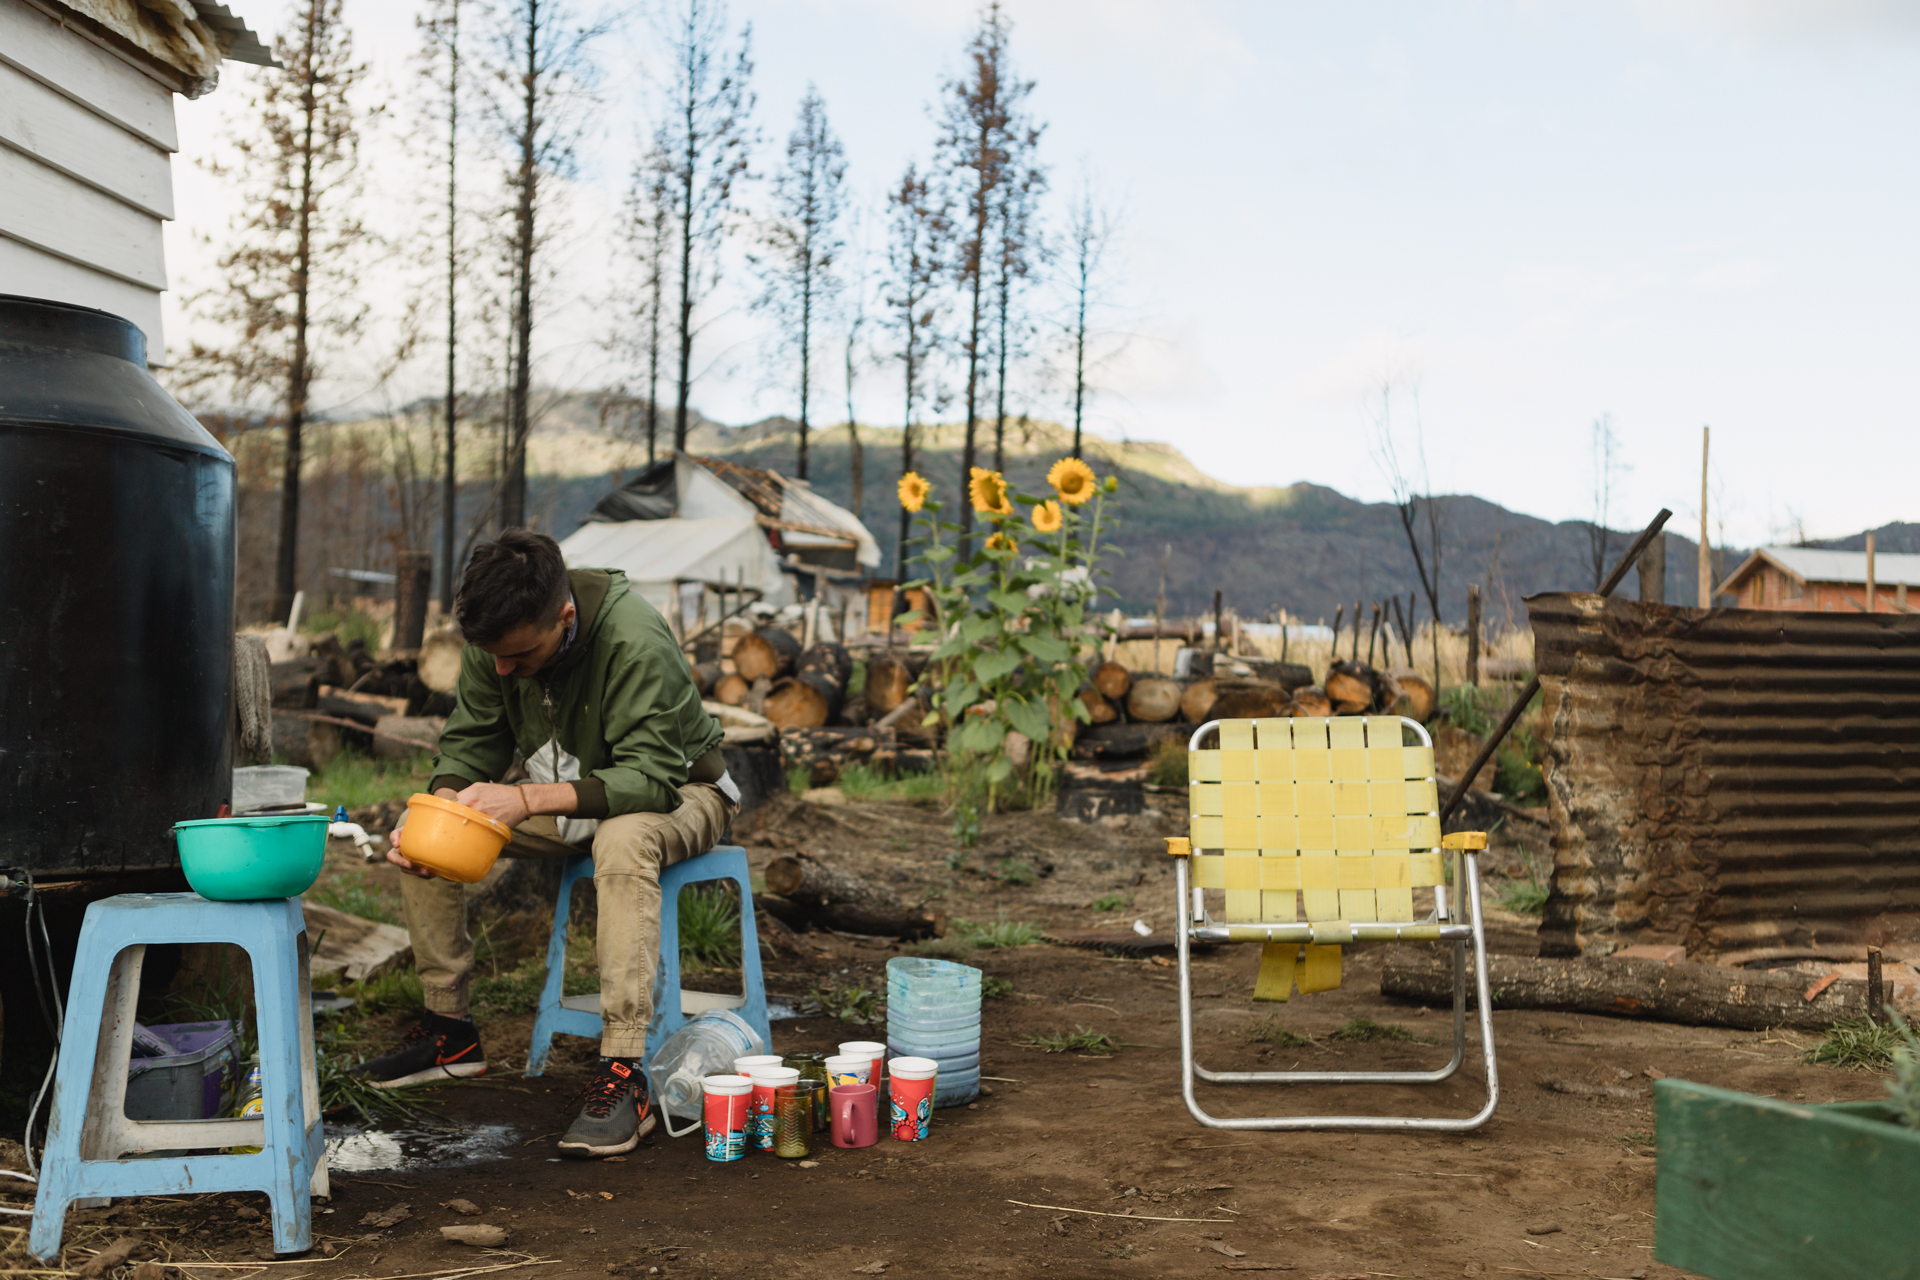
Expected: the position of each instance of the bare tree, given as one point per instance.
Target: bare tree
(1413, 500)
(916, 248)
(1606, 467)
(650, 238)
(440, 66)
(288, 283)
(1090, 230)
(704, 138)
(980, 124)
(856, 322)
(545, 76)
(803, 242)
(1019, 244)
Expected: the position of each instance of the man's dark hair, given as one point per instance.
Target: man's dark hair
(518, 578)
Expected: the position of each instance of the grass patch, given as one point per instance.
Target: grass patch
(1637, 1137)
(992, 988)
(709, 928)
(955, 946)
(358, 894)
(868, 785)
(1079, 1040)
(1000, 933)
(1168, 764)
(799, 779)
(1016, 871)
(1858, 1044)
(1270, 1032)
(1111, 902)
(1367, 1031)
(347, 626)
(857, 1005)
(393, 991)
(1526, 896)
(359, 781)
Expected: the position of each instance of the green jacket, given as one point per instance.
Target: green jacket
(617, 714)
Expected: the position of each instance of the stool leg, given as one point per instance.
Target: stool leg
(551, 990)
(754, 1012)
(310, 1075)
(667, 1012)
(278, 1007)
(98, 1009)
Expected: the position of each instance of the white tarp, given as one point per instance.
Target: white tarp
(655, 553)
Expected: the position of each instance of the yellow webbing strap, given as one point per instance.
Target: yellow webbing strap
(1277, 962)
(1320, 971)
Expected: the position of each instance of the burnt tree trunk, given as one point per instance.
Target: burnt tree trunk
(839, 899)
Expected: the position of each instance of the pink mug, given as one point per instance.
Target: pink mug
(856, 1116)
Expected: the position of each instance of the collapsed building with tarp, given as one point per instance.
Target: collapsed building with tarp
(690, 524)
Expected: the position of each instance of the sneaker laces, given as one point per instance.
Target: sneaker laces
(607, 1090)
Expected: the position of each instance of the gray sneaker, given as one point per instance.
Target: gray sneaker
(615, 1113)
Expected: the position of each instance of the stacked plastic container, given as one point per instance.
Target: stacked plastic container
(933, 1011)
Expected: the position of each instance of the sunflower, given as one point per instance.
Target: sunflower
(913, 490)
(1001, 542)
(1046, 517)
(1073, 480)
(988, 490)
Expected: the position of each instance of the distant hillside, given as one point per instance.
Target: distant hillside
(1306, 548)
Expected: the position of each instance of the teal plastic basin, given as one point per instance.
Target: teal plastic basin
(246, 859)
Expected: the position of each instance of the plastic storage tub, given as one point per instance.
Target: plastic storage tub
(268, 786)
(187, 1084)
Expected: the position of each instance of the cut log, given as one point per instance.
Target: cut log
(1310, 701)
(296, 683)
(838, 899)
(403, 737)
(705, 676)
(827, 659)
(440, 660)
(1197, 699)
(1126, 741)
(890, 677)
(804, 701)
(1154, 700)
(1099, 710)
(365, 708)
(1352, 687)
(1249, 700)
(731, 690)
(1112, 680)
(766, 654)
(1410, 694)
(1703, 995)
(299, 739)
(1288, 675)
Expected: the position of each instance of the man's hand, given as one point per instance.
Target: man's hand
(504, 804)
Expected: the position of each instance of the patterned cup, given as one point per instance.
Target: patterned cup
(910, 1083)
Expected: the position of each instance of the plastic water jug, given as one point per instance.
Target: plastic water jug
(705, 1045)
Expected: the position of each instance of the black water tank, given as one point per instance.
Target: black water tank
(116, 599)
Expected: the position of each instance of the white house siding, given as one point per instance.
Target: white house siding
(85, 141)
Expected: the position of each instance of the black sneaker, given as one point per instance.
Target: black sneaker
(615, 1112)
(438, 1048)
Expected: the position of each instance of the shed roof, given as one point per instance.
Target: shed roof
(1815, 564)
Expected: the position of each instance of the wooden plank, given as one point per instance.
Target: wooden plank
(67, 61)
(31, 273)
(1751, 1188)
(357, 948)
(48, 210)
(59, 132)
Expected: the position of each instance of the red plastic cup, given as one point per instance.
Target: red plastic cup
(870, 1049)
(910, 1088)
(761, 1115)
(725, 1103)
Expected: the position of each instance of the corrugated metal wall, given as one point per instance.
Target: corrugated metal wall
(1736, 780)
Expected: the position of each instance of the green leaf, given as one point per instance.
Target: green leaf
(935, 554)
(995, 664)
(976, 627)
(960, 695)
(1000, 770)
(1029, 718)
(1046, 648)
(1009, 602)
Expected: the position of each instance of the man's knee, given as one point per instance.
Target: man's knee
(631, 844)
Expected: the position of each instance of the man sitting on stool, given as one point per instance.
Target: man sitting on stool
(583, 677)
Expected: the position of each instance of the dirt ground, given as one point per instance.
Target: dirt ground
(1074, 1165)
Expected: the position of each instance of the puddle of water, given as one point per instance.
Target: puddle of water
(352, 1150)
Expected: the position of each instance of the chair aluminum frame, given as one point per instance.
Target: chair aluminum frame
(1195, 925)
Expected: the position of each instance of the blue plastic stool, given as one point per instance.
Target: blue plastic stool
(580, 1015)
(89, 1132)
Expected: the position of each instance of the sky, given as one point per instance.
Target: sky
(1474, 225)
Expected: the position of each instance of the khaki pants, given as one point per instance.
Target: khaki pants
(628, 853)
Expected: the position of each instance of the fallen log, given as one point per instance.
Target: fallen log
(1125, 741)
(1248, 700)
(838, 899)
(300, 739)
(1154, 700)
(804, 701)
(363, 708)
(1112, 680)
(1099, 710)
(401, 737)
(1310, 701)
(1703, 995)
(296, 683)
(890, 677)
(1410, 694)
(1352, 687)
(767, 653)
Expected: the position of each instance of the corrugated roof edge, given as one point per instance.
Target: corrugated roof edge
(245, 46)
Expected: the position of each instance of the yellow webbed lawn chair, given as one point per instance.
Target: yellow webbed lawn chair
(1316, 832)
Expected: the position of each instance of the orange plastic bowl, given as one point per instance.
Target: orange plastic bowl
(451, 840)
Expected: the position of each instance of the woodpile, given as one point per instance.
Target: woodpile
(834, 898)
(824, 753)
(1154, 700)
(814, 694)
(768, 653)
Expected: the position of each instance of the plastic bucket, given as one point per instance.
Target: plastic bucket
(251, 859)
(942, 1040)
(451, 840)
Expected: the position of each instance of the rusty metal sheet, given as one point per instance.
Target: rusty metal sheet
(1744, 782)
